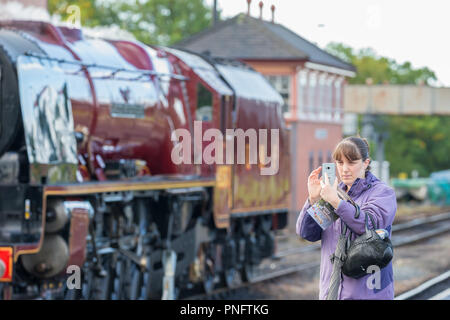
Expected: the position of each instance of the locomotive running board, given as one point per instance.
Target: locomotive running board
(120, 186)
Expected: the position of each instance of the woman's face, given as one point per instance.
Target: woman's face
(349, 170)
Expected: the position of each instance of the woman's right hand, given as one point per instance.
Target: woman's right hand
(314, 187)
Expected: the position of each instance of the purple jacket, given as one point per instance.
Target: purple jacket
(374, 197)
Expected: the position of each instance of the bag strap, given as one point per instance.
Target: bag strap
(344, 228)
(367, 215)
(371, 219)
(344, 196)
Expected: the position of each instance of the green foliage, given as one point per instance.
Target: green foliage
(162, 22)
(418, 142)
(88, 10)
(414, 142)
(379, 69)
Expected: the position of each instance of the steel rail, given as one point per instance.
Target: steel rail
(409, 295)
(405, 240)
(267, 276)
(397, 227)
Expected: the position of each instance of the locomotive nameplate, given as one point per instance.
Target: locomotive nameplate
(126, 110)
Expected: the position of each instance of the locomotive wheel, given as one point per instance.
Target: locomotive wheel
(99, 283)
(136, 283)
(79, 294)
(265, 223)
(136, 275)
(72, 294)
(208, 281)
(232, 278)
(206, 255)
(86, 286)
(249, 268)
(249, 272)
(118, 280)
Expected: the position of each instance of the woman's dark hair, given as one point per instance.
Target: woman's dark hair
(353, 148)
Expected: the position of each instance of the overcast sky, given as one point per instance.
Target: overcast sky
(413, 30)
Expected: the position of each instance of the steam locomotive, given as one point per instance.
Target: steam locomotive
(87, 182)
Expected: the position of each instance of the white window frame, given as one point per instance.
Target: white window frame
(329, 97)
(302, 90)
(312, 94)
(338, 90)
(276, 80)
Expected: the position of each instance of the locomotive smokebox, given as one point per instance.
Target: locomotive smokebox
(50, 260)
(10, 118)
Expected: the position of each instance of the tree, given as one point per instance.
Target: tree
(414, 142)
(379, 69)
(159, 22)
(418, 142)
(88, 10)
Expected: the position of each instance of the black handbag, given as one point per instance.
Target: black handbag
(367, 250)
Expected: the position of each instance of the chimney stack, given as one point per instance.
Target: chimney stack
(260, 9)
(215, 13)
(248, 6)
(273, 13)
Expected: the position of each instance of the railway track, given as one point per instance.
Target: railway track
(427, 225)
(405, 233)
(437, 288)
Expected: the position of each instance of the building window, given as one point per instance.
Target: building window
(312, 93)
(311, 161)
(320, 159)
(329, 99)
(204, 103)
(337, 99)
(302, 84)
(321, 106)
(329, 156)
(281, 83)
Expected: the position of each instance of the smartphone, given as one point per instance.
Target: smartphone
(330, 169)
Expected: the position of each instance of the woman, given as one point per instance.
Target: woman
(372, 196)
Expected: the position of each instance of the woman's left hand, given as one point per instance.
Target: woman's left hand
(329, 192)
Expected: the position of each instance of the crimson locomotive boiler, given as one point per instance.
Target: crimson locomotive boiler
(87, 182)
